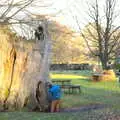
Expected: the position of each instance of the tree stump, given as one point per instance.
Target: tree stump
(20, 70)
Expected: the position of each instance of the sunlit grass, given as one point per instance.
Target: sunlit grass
(85, 80)
(66, 76)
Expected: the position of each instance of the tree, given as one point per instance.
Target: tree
(66, 41)
(61, 35)
(103, 34)
(24, 64)
(17, 11)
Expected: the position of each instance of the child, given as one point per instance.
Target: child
(54, 96)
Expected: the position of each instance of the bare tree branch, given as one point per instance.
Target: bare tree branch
(107, 37)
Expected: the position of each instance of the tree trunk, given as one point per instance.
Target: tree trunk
(103, 61)
(22, 83)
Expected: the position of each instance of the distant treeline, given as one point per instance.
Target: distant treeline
(84, 66)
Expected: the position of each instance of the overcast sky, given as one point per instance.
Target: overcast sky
(70, 9)
(77, 8)
(65, 11)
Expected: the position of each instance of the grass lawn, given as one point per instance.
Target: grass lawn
(92, 92)
(105, 93)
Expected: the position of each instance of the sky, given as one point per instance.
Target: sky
(72, 9)
(69, 10)
(66, 11)
(63, 11)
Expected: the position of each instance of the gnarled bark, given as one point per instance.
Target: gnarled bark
(20, 74)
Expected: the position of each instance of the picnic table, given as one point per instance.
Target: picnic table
(62, 82)
(96, 76)
(71, 89)
(118, 74)
(67, 86)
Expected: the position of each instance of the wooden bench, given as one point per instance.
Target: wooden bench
(70, 89)
(62, 82)
(118, 75)
(67, 87)
(96, 76)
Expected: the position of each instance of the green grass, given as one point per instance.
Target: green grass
(92, 92)
(91, 115)
(106, 93)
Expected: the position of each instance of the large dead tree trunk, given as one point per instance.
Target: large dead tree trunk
(21, 68)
